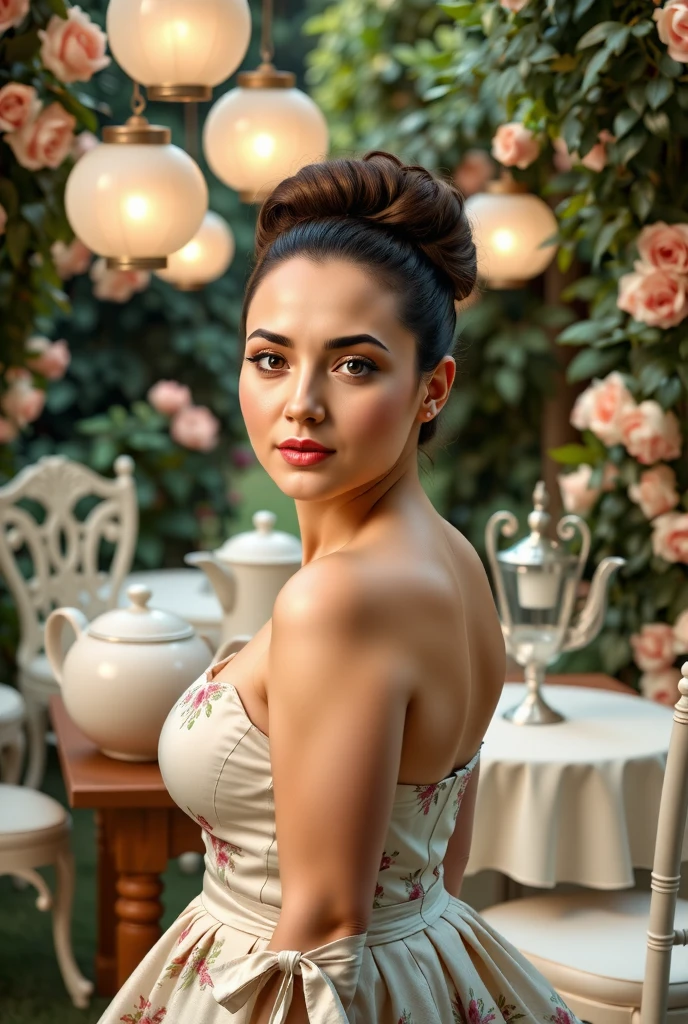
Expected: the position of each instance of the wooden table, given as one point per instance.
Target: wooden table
(139, 828)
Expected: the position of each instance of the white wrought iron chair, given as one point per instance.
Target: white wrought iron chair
(609, 955)
(55, 560)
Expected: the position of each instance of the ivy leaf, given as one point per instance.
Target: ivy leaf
(658, 91)
(657, 123)
(509, 385)
(17, 236)
(642, 28)
(9, 197)
(642, 197)
(581, 7)
(618, 39)
(597, 63)
(631, 145)
(591, 362)
(670, 68)
(624, 121)
(543, 52)
(598, 34)
(636, 99)
(58, 7)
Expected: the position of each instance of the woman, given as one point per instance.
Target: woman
(347, 731)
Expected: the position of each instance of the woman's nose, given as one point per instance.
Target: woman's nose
(305, 402)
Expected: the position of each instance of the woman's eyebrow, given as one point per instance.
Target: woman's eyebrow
(333, 343)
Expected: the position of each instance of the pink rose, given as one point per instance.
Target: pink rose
(653, 647)
(600, 408)
(50, 359)
(649, 434)
(672, 27)
(83, 144)
(596, 158)
(46, 141)
(681, 633)
(23, 403)
(514, 145)
(576, 494)
(652, 296)
(513, 5)
(664, 246)
(12, 13)
(71, 259)
(73, 48)
(19, 104)
(3, 220)
(661, 687)
(169, 397)
(670, 537)
(195, 427)
(655, 492)
(8, 431)
(474, 171)
(562, 159)
(117, 285)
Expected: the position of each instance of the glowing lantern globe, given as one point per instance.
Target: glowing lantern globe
(179, 49)
(262, 132)
(135, 198)
(509, 226)
(203, 259)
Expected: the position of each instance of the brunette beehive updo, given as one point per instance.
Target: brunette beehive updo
(401, 223)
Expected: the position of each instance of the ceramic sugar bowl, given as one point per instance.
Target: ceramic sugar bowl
(125, 671)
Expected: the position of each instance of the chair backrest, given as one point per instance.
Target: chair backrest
(666, 870)
(57, 561)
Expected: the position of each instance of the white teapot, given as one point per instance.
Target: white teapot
(125, 671)
(248, 572)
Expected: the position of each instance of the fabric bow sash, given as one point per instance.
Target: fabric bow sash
(330, 976)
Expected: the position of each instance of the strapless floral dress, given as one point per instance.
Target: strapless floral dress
(427, 957)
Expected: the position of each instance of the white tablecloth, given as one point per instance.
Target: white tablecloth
(186, 592)
(573, 802)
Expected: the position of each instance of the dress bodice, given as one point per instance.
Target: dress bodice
(216, 765)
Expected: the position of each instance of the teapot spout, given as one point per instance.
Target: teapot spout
(220, 576)
(591, 617)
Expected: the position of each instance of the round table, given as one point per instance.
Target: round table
(186, 592)
(577, 801)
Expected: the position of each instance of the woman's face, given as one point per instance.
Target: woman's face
(327, 360)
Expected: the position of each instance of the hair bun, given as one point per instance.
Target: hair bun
(406, 199)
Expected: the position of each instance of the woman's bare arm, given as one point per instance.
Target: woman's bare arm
(337, 719)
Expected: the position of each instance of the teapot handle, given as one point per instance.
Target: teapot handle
(53, 635)
(231, 647)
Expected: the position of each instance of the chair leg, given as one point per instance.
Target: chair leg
(79, 987)
(12, 759)
(36, 727)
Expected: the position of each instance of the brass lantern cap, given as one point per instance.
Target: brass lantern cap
(179, 93)
(136, 262)
(505, 283)
(266, 76)
(137, 131)
(188, 286)
(506, 185)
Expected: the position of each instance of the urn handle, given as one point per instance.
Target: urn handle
(53, 635)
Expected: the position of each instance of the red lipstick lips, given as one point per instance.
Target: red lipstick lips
(303, 451)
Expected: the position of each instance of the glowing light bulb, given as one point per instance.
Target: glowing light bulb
(504, 240)
(264, 145)
(136, 207)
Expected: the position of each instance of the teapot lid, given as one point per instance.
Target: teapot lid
(139, 624)
(262, 546)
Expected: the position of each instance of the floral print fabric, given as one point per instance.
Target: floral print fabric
(455, 970)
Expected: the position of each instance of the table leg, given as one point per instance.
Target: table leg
(138, 911)
(106, 956)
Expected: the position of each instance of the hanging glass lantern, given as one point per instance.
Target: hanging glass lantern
(203, 259)
(262, 132)
(136, 198)
(509, 226)
(179, 49)
(265, 130)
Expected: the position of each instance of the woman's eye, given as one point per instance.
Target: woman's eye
(358, 362)
(260, 356)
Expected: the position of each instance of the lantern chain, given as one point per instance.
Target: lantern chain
(267, 49)
(138, 103)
